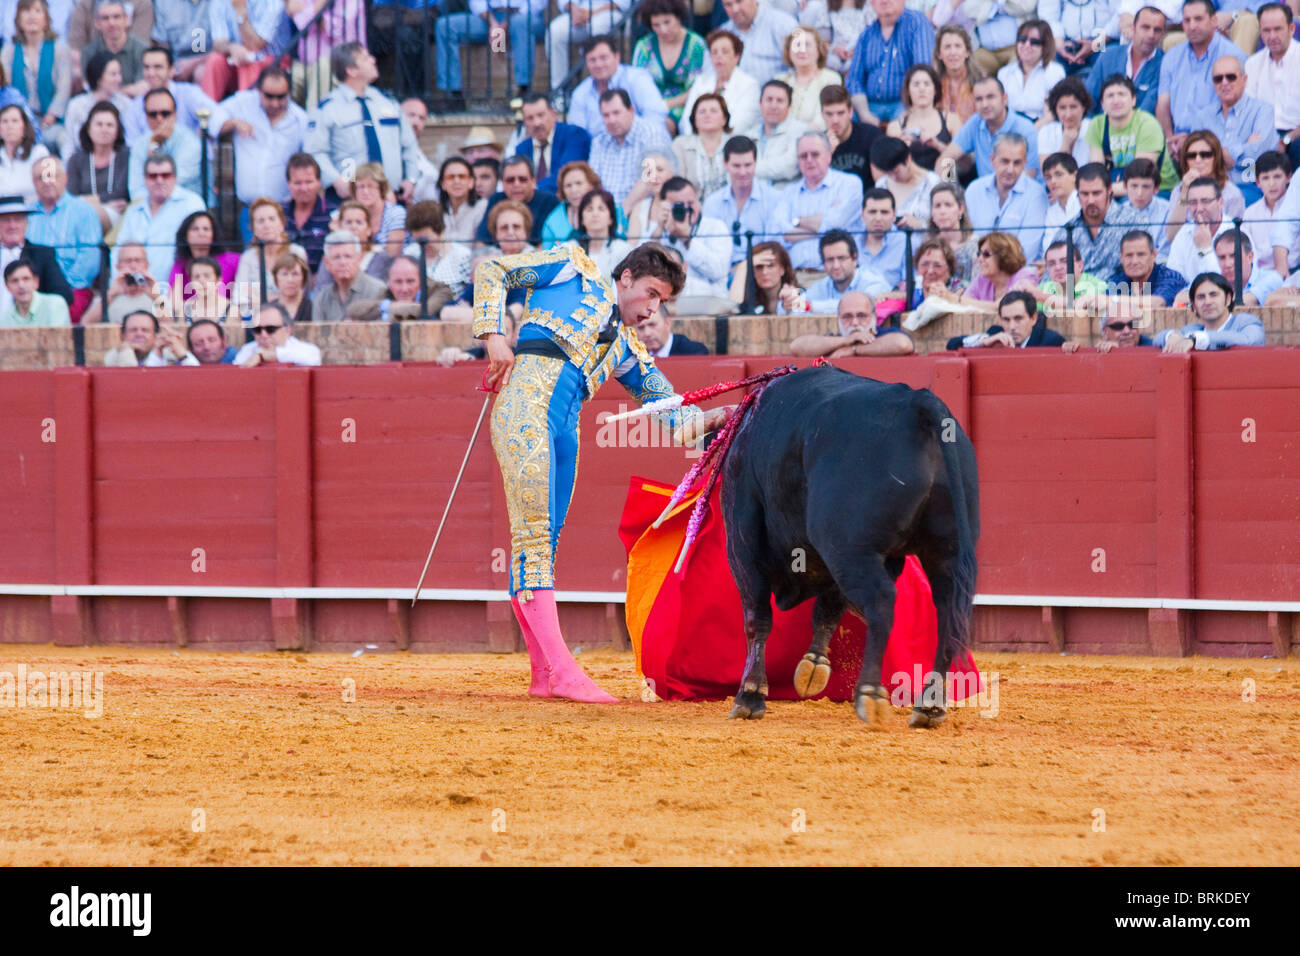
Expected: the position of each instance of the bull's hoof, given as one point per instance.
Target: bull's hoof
(748, 706)
(927, 717)
(872, 705)
(812, 675)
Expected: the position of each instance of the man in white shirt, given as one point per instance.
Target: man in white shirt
(1192, 251)
(268, 130)
(703, 243)
(1059, 170)
(273, 341)
(1273, 74)
(778, 136)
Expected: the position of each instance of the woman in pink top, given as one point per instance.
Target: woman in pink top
(197, 237)
(1001, 264)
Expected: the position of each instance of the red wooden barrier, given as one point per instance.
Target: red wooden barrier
(1119, 476)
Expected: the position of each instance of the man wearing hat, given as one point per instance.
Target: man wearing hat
(14, 246)
(480, 143)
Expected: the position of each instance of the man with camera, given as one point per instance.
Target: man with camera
(133, 289)
(704, 243)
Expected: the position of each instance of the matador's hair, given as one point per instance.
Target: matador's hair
(652, 259)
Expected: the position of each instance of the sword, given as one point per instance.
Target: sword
(446, 511)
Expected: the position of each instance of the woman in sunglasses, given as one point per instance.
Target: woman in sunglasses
(1032, 74)
(1001, 266)
(1202, 155)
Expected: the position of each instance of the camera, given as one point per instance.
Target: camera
(681, 211)
(136, 278)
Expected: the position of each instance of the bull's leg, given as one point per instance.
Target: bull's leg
(929, 709)
(871, 591)
(751, 698)
(814, 671)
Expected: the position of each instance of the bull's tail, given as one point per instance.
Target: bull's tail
(962, 600)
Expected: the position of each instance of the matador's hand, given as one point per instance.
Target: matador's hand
(702, 424)
(501, 359)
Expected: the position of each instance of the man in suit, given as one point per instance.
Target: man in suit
(656, 334)
(548, 142)
(1139, 61)
(1022, 327)
(14, 246)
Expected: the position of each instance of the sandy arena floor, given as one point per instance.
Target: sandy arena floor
(442, 759)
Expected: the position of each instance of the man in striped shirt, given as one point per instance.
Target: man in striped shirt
(886, 50)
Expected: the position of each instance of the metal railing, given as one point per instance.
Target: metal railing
(405, 41)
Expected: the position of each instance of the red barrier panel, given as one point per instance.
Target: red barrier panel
(1125, 475)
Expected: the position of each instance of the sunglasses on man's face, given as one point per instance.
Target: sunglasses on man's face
(158, 114)
(1121, 326)
(159, 175)
(1226, 77)
(265, 329)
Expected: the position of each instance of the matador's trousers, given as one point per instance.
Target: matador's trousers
(535, 437)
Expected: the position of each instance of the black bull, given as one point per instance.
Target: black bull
(833, 479)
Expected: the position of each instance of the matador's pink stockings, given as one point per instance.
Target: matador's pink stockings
(555, 672)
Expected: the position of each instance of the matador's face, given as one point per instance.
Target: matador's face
(639, 299)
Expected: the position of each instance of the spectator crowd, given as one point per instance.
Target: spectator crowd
(863, 158)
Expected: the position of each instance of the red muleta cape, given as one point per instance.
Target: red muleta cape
(688, 629)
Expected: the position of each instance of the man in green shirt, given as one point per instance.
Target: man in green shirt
(31, 307)
(1050, 292)
(1122, 133)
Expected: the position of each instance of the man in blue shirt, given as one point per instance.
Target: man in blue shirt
(1141, 283)
(68, 225)
(1008, 200)
(746, 203)
(607, 73)
(159, 214)
(1185, 73)
(991, 118)
(822, 199)
(207, 343)
(165, 136)
(881, 248)
(840, 260)
(1139, 61)
(1243, 124)
(886, 50)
